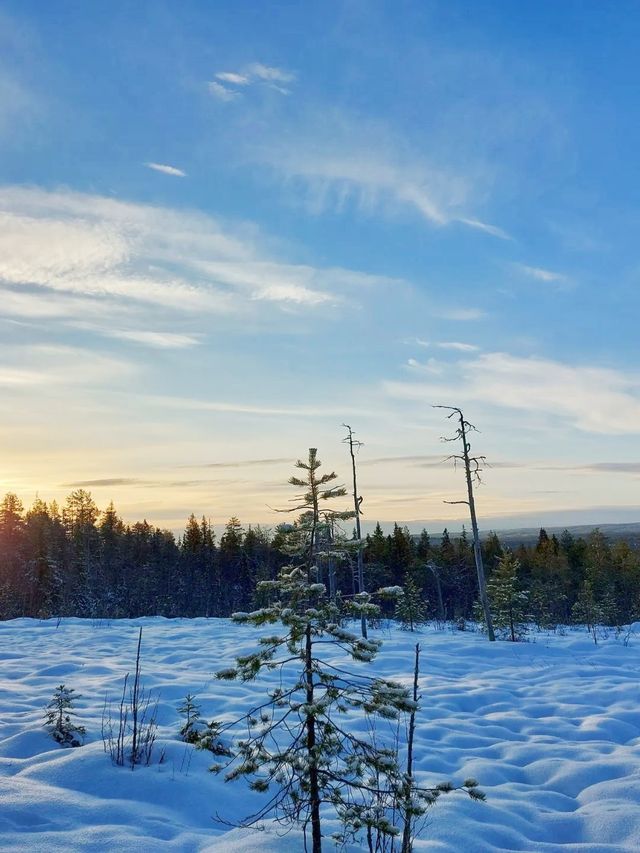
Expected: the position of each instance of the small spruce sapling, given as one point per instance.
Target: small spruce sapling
(410, 607)
(189, 709)
(205, 736)
(58, 716)
(587, 611)
(507, 601)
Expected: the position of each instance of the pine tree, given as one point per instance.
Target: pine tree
(411, 608)
(423, 548)
(189, 710)
(587, 611)
(296, 743)
(58, 715)
(508, 603)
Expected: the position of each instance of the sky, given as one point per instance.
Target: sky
(228, 228)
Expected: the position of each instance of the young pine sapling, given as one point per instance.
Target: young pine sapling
(58, 716)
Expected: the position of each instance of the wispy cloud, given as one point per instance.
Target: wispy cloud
(597, 467)
(158, 340)
(244, 463)
(15, 377)
(342, 161)
(222, 93)
(396, 460)
(270, 73)
(233, 78)
(254, 74)
(591, 399)
(48, 365)
(541, 274)
(166, 170)
(302, 411)
(112, 253)
(110, 482)
(616, 467)
(493, 230)
(461, 314)
(107, 481)
(458, 346)
(432, 365)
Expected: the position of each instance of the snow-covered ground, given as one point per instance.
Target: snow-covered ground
(550, 728)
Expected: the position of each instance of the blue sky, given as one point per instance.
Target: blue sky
(229, 227)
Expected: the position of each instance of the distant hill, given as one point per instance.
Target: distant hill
(630, 532)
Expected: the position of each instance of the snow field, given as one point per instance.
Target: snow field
(550, 729)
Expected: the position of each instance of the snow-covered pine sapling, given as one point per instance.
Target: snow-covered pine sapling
(189, 710)
(298, 744)
(587, 611)
(58, 716)
(209, 739)
(410, 607)
(205, 736)
(507, 601)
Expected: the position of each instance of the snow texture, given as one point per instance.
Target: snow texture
(550, 729)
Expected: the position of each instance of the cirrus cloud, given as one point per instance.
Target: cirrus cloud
(591, 399)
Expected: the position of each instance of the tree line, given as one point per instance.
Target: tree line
(76, 560)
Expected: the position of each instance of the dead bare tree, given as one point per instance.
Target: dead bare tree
(354, 445)
(472, 468)
(408, 812)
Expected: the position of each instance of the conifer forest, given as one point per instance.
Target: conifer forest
(80, 560)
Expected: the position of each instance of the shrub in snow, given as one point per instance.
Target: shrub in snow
(130, 738)
(58, 716)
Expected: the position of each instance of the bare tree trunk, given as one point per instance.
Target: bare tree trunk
(472, 468)
(477, 549)
(135, 703)
(331, 562)
(407, 844)
(314, 788)
(357, 500)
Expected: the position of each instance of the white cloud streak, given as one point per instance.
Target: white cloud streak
(463, 315)
(339, 164)
(166, 170)
(156, 340)
(269, 73)
(251, 75)
(248, 409)
(591, 399)
(41, 365)
(222, 93)
(123, 267)
(233, 78)
(541, 274)
(457, 346)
